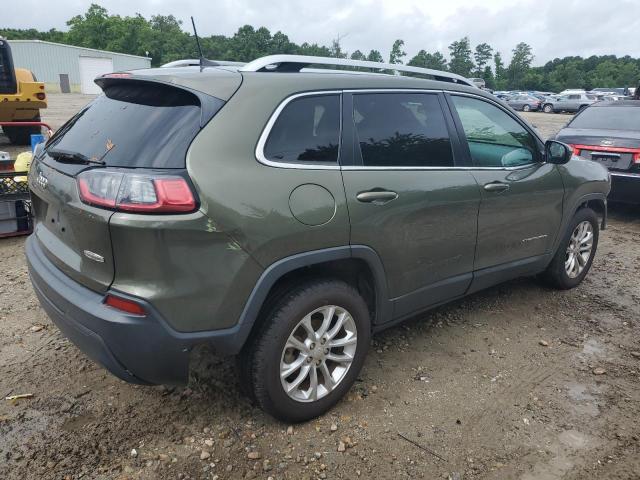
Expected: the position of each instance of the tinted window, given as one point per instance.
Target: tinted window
(401, 129)
(608, 118)
(7, 78)
(307, 130)
(495, 139)
(574, 97)
(134, 124)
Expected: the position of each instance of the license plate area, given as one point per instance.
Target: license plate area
(612, 160)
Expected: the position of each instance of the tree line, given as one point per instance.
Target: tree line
(163, 39)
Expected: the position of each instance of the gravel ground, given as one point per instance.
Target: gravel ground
(518, 381)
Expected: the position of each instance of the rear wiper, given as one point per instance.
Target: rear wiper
(72, 157)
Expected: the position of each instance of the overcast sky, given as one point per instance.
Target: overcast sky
(554, 28)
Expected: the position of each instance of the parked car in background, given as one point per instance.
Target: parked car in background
(570, 91)
(504, 96)
(479, 82)
(609, 133)
(613, 97)
(569, 103)
(526, 103)
(622, 91)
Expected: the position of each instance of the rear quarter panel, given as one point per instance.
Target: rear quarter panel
(197, 277)
(249, 201)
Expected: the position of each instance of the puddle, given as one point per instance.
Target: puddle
(592, 351)
(76, 423)
(592, 348)
(563, 451)
(579, 393)
(584, 403)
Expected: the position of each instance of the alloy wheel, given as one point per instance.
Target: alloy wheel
(579, 249)
(318, 353)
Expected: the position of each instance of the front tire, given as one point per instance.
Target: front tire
(526, 108)
(309, 351)
(548, 108)
(575, 253)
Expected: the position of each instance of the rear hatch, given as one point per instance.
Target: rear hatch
(136, 132)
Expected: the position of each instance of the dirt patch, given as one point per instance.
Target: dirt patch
(469, 386)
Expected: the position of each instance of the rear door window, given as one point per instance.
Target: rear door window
(307, 130)
(401, 130)
(135, 124)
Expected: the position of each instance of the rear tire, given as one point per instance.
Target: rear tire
(302, 335)
(22, 135)
(526, 108)
(547, 108)
(571, 263)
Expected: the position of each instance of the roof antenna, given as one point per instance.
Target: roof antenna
(203, 61)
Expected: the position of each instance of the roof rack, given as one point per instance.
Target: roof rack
(295, 63)
(194, 62)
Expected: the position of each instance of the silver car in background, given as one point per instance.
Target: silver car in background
(526, 103)
(573, 102)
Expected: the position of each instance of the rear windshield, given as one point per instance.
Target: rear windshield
(608, 118)
(134, 124)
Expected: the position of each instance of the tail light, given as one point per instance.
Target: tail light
(636, 157)
(136, 192)
(124, 305)
(576, 150)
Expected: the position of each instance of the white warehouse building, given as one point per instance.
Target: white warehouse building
(65, 68)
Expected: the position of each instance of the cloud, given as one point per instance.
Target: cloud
(553, 28)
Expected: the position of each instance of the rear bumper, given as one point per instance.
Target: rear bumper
(143, 350)
(625, 187)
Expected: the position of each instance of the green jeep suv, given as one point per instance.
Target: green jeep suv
(283, 212)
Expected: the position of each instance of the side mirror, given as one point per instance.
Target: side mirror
(557, 152)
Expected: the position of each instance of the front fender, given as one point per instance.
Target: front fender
(585, 182)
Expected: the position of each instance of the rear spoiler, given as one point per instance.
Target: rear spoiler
(209, 105)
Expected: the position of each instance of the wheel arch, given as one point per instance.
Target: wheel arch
(359, 265)
(596, 202)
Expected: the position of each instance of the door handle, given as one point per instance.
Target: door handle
(496, 187)
(379, 197)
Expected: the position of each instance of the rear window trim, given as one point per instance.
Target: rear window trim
(264, 136)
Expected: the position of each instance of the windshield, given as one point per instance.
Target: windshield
(608, 118)
(140, 124)
(7, 77)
